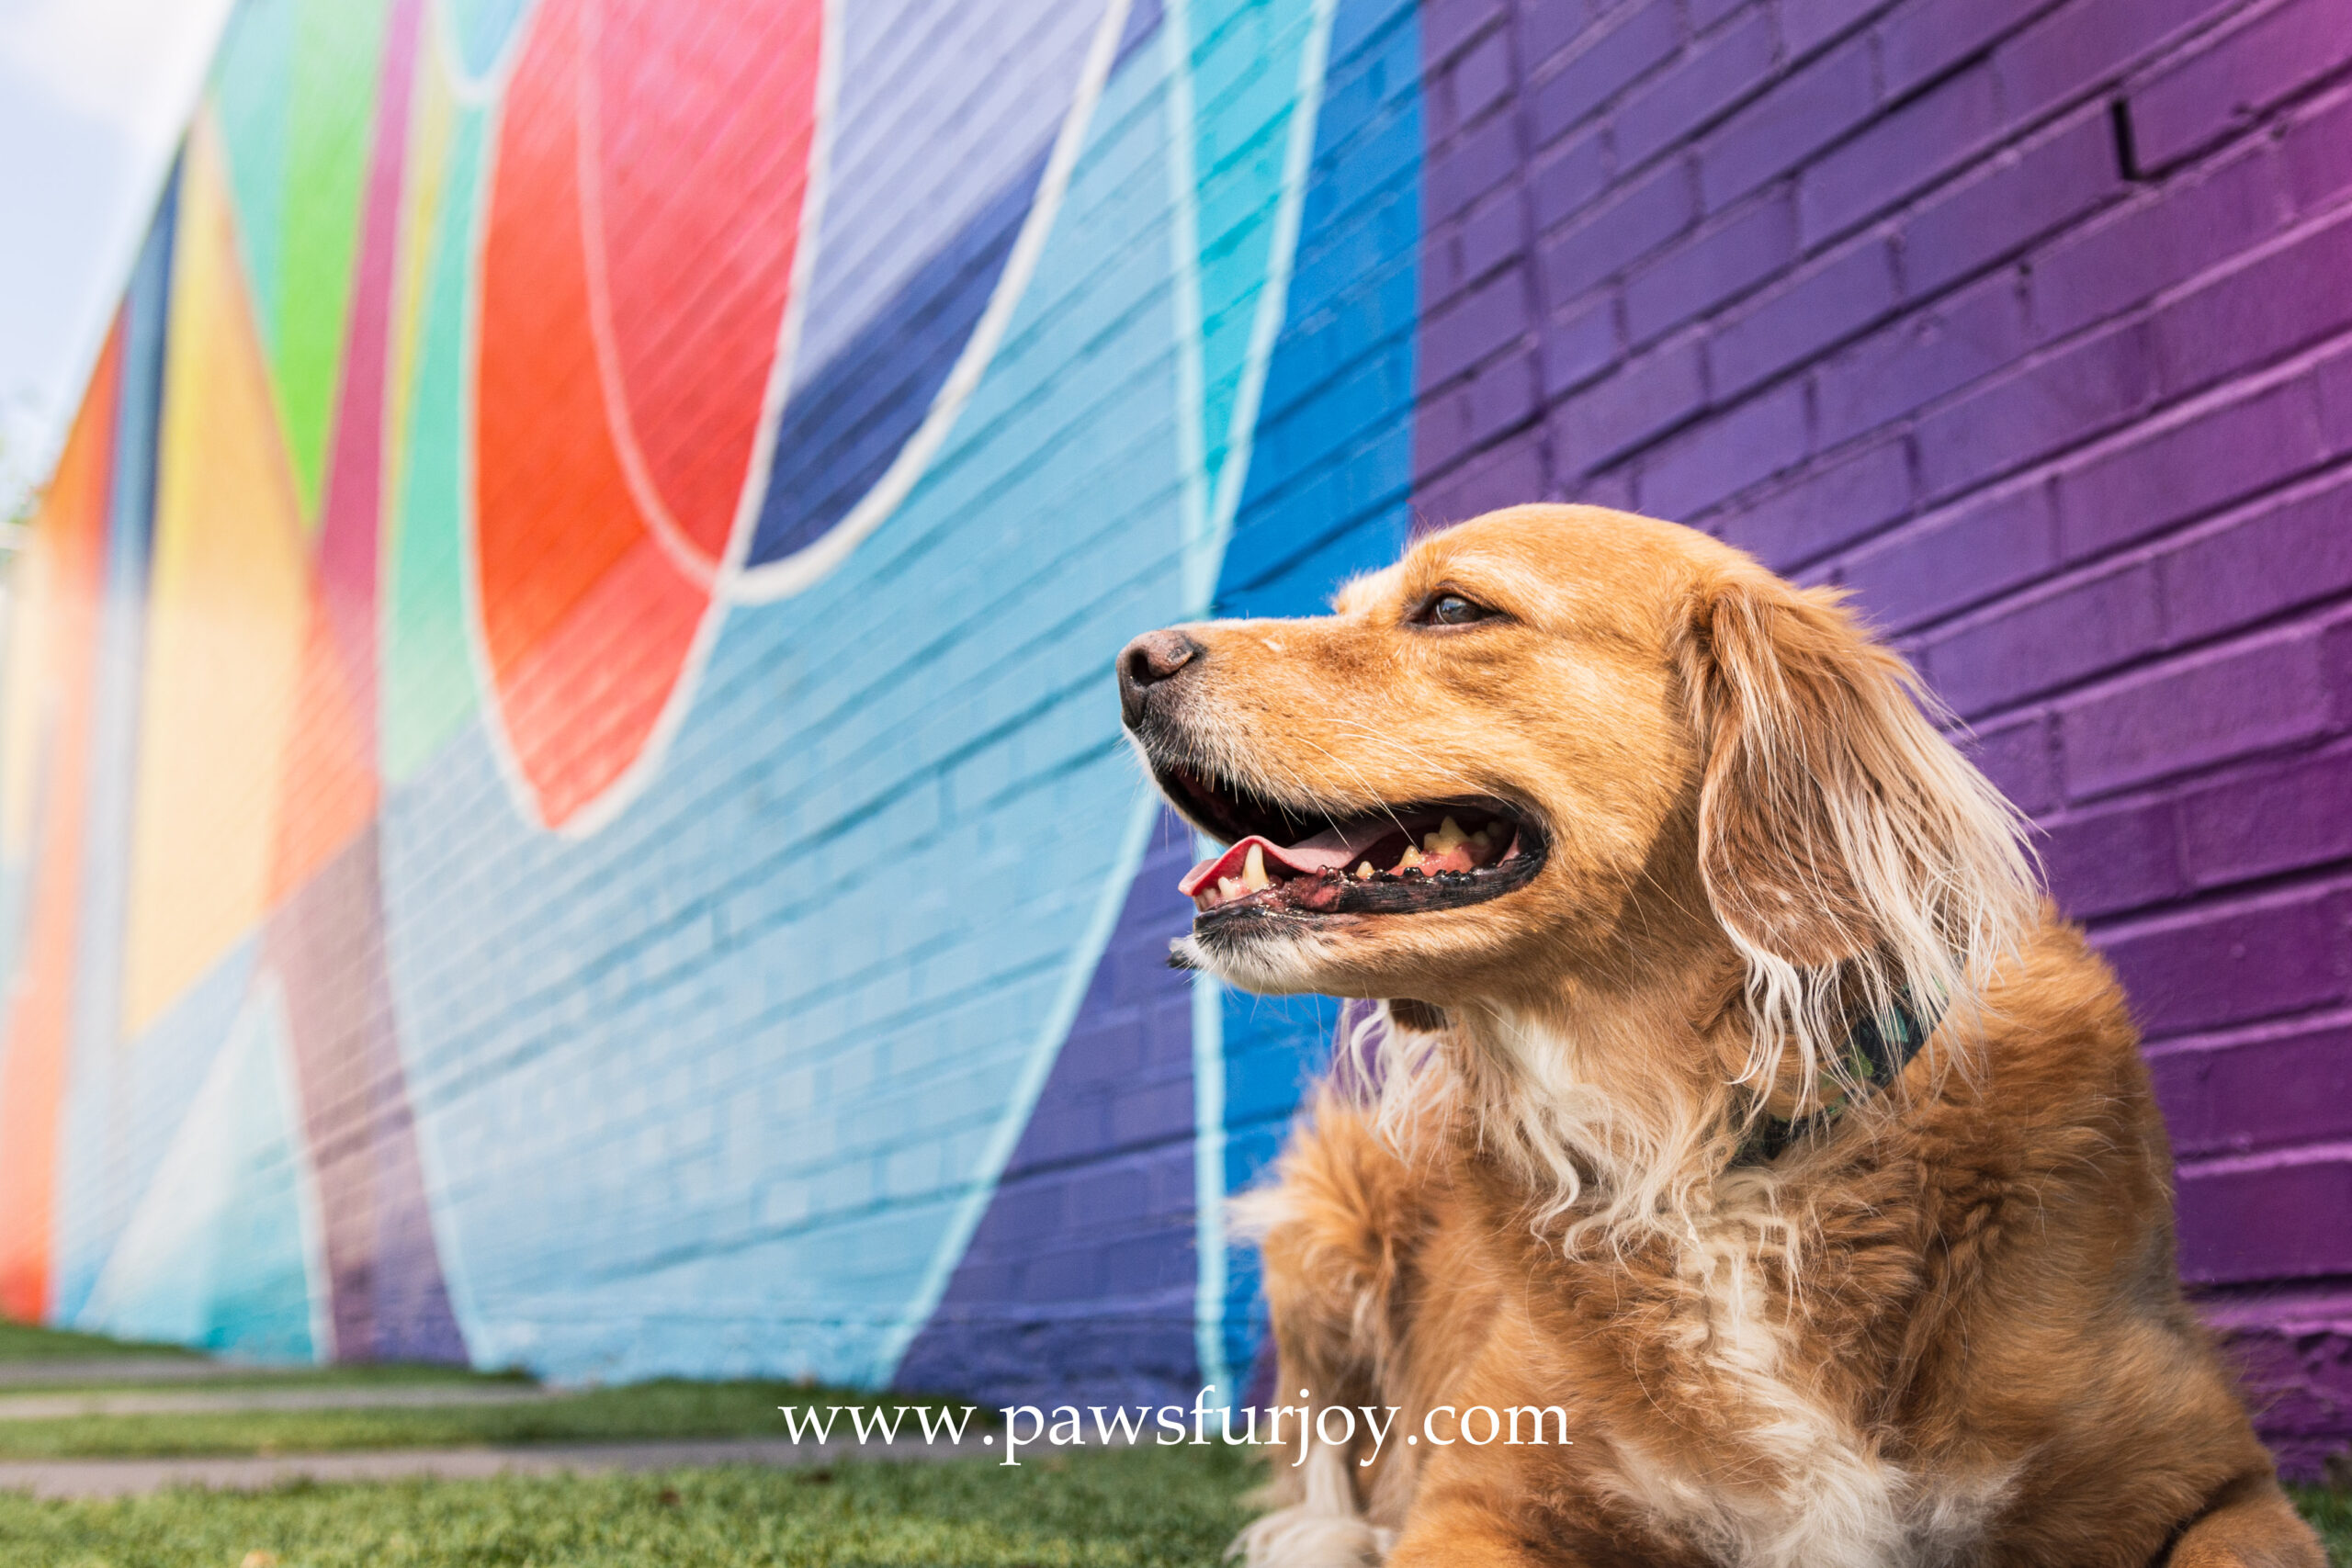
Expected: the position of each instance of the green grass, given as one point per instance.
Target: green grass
(2329, 1508)
(666, 1409)
(1103, 1509)
(1143, 1507)
(25, 1342)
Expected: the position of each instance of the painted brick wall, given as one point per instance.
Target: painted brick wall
(2030, 325)
(561, 802)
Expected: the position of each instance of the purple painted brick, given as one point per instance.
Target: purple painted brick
(2284, 817)
(2177, 472)
(2178, 231)
(1904, 151)
(1645, 399)
(1608, 238)
(1565, 181)
(2272, 561)
(1919, 359)
(1578, 346)
(1470, 166)
(1449, 25)
(1709, 268)
(1829, 507)
(1806, 27)
(1804, 317)
(2049, 641)
(2224, 88)
(2191, 713)
(1608, 60)
(2018, 200)
(2084, 47)
(2235, 965)
(2103, 863)
(1725, 454)
(1505, 475)
(1454, 423)
(1718, 73)
(2289, 296)
(1479, 79)
(2332, 377)
(1923, 38)
(2250, 1218)
(1546, 29)
(1802, 113)
(1491, 319)
(2318, 156)
(2071, 395)
(2228, 1098)
(1928, 569)
(2016, 756)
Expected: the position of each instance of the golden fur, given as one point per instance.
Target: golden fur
(1947, 1329)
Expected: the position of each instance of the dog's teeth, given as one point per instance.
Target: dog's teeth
(1229, 888)
(1448, 838)
(1253, 871)
(1363, 870)
(1411, 857)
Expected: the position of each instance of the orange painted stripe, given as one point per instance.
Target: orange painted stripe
(71, 534)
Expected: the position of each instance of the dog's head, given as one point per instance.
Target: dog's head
(1563, 745)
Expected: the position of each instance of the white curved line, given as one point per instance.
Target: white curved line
(587, 174)
(474, 89)
(502, 756)
(811, 563)
(615, 797)
(1203, 564)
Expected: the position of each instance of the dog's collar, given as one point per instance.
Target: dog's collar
(1875, 1052)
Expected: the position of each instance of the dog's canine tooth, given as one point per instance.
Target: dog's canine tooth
(1253, 871)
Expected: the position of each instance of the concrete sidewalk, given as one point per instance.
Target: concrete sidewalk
(67, 1371)
(128, 1477)
(232, 1401)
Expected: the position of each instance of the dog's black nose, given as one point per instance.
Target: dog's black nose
(1150, 659)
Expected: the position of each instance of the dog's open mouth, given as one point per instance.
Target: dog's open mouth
(1401, 860)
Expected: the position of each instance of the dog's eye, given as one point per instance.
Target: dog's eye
(1453, 610)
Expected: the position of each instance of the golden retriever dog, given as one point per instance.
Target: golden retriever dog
(1735, 1096)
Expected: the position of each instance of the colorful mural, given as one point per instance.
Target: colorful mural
(561, 803)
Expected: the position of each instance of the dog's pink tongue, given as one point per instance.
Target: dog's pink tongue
(1309, 857)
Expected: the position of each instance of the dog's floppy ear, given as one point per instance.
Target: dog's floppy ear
(1850, 852)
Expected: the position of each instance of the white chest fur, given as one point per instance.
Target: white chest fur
(1817, 1492)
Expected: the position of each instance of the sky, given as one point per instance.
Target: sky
(93, 97)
